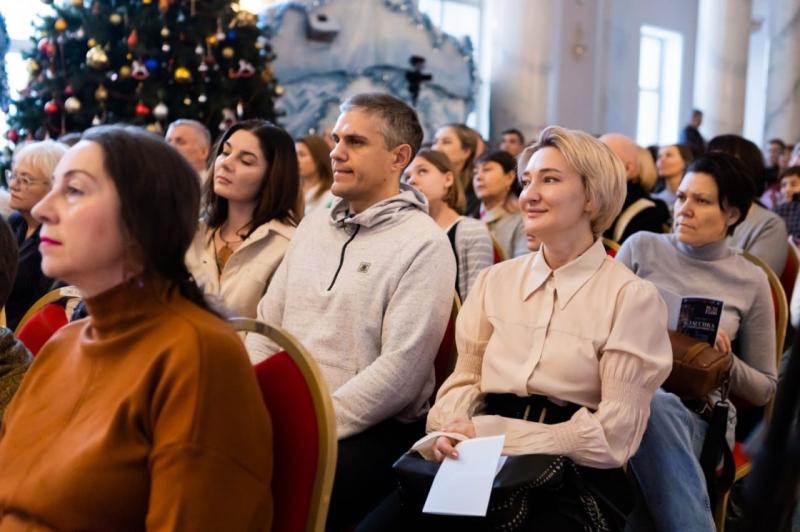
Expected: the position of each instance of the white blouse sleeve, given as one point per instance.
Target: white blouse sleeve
(634, 362)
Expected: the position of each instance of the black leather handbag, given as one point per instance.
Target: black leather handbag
(526, 493)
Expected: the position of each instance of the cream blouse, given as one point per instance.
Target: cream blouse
(590, 333)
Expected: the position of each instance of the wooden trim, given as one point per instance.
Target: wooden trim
(323, 405)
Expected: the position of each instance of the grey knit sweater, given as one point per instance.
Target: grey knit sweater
(717, 271)
(369, 295)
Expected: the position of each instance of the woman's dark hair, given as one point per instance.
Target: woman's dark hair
(321, 155)
(748, 153)
(8, 261)
(159, 197)
(278, 198)
(509, 164)
(735, 188)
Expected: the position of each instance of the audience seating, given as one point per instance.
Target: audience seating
(304, 431)
(611, 247)
(497, 249)
(45, 317)
(447, 355)
(742, 462)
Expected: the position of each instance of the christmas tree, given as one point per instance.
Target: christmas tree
(145, 62)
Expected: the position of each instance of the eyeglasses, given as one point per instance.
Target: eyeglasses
(24, 180)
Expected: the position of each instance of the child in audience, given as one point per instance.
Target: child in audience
(460, 143)
(251, 204)
(14, 358)
(789, 209)
(430, 173)
(712, 199)
(314, 164)
(147, 414)
(494, 182)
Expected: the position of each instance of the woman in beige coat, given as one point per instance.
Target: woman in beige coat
(251, 211)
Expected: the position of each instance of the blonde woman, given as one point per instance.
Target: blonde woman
(431, 173)
(551, 351)
(29, 180)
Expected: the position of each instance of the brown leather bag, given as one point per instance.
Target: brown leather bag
(697, 368)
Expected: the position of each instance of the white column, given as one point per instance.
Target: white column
(723, 36)
(524, 40)
(782, 118)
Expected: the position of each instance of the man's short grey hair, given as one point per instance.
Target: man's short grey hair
(602, 172)
(199, 128)
(400, 122)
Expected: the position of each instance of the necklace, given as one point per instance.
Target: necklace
(224, 253)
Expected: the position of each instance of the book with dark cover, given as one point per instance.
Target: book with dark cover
(699, 318)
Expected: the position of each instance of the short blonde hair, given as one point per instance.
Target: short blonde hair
(647, 169)
(42, 155)
(602, 172)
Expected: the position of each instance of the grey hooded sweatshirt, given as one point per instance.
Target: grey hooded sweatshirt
(369, 296)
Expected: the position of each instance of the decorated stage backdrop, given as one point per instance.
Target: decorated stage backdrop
(328, 50)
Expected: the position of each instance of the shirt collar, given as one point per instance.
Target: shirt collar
(568, 278)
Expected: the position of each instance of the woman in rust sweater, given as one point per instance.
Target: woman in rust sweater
(147, 414)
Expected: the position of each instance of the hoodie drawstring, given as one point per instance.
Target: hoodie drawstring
(341, 257)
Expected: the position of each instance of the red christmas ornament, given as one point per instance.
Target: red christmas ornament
(12, 135)
(68, 90)
(133, 40)
(51, 107)
(46, 47)
(142, 109)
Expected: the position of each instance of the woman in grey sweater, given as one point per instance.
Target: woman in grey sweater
(712, 199)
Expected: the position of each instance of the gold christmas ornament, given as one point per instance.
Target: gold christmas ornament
(227, 52)
(91, 43)
(147, 2)
(33, 67)
(165, 32)
(124, 71)
(96, 57)
(243, 19)
(77, 3)
(279, 90)
(115, 18)
(60, 25)
(211, 39)
(154, 127)
(182, 75)
(72, 105)
(101, 94)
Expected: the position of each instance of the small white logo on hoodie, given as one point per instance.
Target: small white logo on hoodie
(363, 267)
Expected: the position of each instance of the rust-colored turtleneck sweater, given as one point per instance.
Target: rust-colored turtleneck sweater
(146, 415)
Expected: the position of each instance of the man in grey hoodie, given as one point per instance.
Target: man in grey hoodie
(367, 287)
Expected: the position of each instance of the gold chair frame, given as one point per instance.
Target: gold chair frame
(611, 244)
(323, 405)
(781, 321)
(65, 292)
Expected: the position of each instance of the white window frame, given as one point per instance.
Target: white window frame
(668, 90)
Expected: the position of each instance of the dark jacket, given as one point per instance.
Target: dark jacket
(652, 219)
(30, 283)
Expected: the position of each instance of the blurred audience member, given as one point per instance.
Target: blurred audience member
(316, 175)
(29, 180)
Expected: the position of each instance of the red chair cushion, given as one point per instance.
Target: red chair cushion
(41, 326)
(740, 456)
(496, 256)
(443, 364)
(610, 252)
(295, 440)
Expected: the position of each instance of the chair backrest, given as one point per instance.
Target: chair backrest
(45, 317)
(790, 269)
(304, 431)
(781, 306)
(3, 317)
(497, 250)
(611, 247)
(447, 355)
